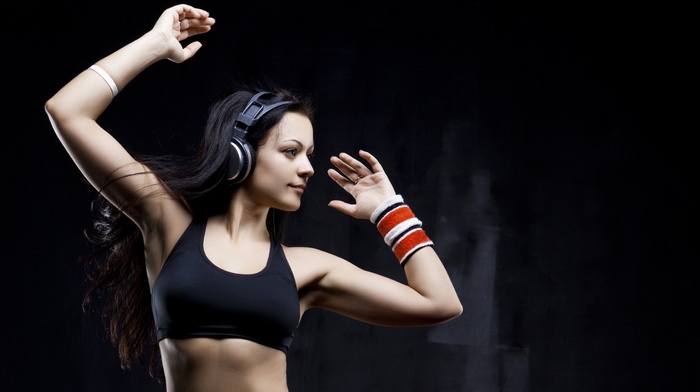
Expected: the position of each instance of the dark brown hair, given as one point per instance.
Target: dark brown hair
(116, 269)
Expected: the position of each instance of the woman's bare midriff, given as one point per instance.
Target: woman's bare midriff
(222, 365)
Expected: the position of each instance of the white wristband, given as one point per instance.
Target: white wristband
(383, 206)
(107, 78)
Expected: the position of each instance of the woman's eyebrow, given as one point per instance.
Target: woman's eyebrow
(295, 141)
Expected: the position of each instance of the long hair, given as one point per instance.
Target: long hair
(116, 269)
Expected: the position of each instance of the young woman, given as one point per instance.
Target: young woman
(193, 254)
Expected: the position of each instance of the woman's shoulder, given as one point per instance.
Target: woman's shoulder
(311, 264)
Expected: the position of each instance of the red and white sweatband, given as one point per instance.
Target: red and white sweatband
(401, 230)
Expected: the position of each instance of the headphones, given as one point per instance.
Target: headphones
(242, 154)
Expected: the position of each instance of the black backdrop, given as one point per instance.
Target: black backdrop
(521, 134)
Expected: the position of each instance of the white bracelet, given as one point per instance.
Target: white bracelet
(107, 78)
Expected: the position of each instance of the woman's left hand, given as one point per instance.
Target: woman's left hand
(178, 23)
(369, 186)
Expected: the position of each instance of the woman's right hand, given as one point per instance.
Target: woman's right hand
(178, 23)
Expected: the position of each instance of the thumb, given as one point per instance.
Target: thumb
(342, 206)
(191, 49)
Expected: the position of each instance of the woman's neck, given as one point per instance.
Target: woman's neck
(244, 220)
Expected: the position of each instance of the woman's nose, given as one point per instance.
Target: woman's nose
(306, 169)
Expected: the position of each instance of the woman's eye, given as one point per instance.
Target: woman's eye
(291, 152)
(311, 156)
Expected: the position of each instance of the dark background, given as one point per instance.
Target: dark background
(538, 142)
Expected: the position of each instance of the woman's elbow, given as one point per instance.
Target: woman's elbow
(48, 106)
(454, 311)
(52, 109)
(447, 311)
(60, 114)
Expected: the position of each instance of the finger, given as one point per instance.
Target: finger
(373, 162)
(187, 11)
(191, 17)
(347, 170)
(188, 28)
(341, 180)
(341, 165)
(356, 165)
(189, 31)
(342, 206)
(189, 50)
(183, 10)
(197, 23)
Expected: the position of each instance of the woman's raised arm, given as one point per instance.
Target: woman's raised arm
(74, 110)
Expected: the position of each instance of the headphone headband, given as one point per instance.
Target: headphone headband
(253, 111)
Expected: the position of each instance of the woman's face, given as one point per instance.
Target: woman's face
(282, 166)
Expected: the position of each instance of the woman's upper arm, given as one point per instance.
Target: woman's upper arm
(98, 155)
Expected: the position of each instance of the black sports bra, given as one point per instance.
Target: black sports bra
(192, 297)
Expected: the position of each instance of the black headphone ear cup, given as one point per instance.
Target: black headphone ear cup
(241, 160)
(242, 155)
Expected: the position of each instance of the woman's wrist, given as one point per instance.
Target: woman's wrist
(383, 206)
(155, 46)
(401, 230)
(119, 68)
